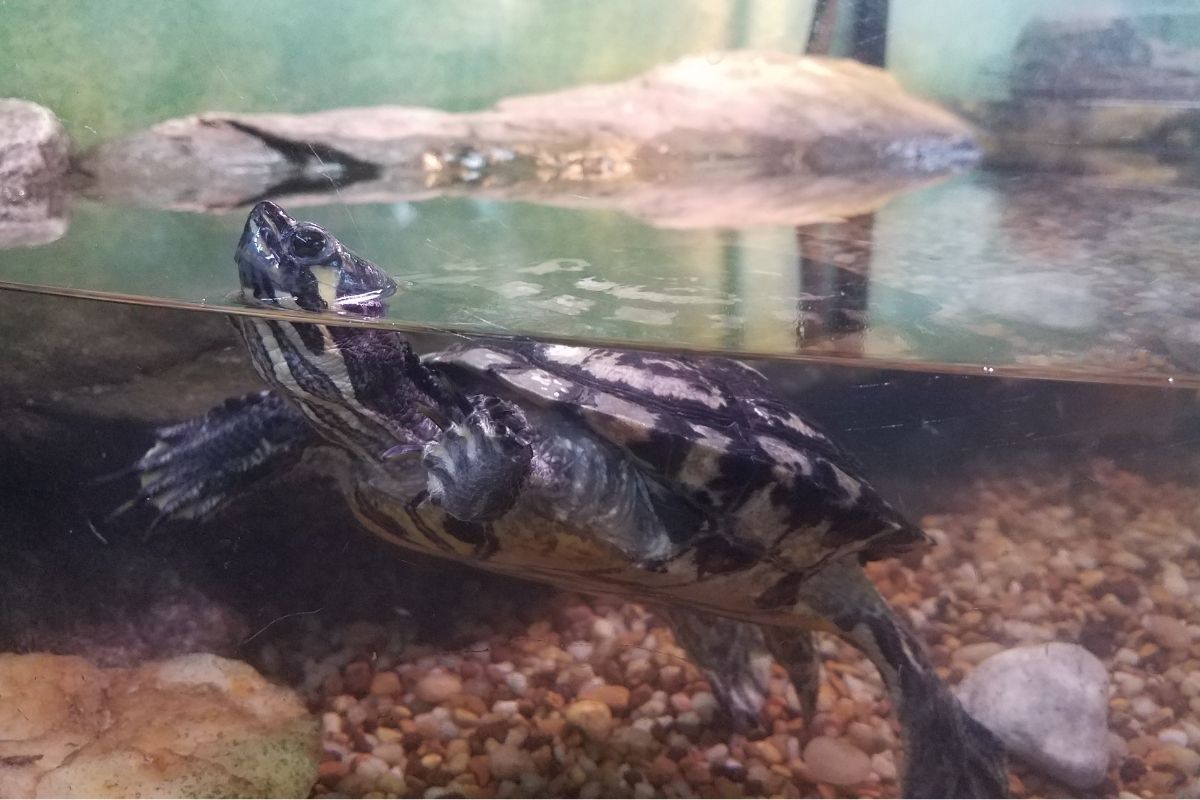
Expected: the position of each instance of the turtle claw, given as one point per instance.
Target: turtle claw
(477, 467)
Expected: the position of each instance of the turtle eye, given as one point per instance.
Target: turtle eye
(308, 241)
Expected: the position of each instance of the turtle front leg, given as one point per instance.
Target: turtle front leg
(477, 467)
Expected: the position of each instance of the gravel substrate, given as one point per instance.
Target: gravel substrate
(594, 698)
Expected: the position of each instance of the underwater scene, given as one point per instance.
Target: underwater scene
(641, 399)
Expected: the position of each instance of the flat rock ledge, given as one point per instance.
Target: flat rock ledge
(738, 138)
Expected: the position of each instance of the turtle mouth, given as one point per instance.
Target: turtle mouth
(259, 252)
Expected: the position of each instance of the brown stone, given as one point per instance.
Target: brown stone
(386, 683)
(438, 686)
(479, 766)
(614, 696)
(357, 676)
(330, 772)
(594, 718)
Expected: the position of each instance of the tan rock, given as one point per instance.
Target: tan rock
(196, 725)
(614, 696)
(1169, 632)
(438, 687)
(592, 717)
(385, 683)
(836, 761)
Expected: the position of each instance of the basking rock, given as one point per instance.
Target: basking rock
(1049, 705)
(729, 138)
(33, 168)
(194, 726)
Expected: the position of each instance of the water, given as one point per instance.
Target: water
(1009, 353)
(1085, 277)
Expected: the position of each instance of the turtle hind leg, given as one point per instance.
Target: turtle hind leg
(196, 467)
(796, 650)
(948, 752)
(733, 657)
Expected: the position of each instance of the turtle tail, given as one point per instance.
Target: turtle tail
(196, 467)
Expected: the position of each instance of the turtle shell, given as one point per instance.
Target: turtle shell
(709, 430)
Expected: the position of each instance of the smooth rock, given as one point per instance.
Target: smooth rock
(33, 168)
(836, 761)
(438, 686)
(592, 717)
(193, 726)
(1048, 703)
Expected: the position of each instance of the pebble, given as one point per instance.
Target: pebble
(506, 761)
(705, 705)
(392, 782)
(592, 717)
(358, 677)
(480, 767)
(1185, 759)
(391, 752)
(836, 761)
(865, 737)
(438, 687)
(975, 653)
(884, 765)
(770, 753)
(689, 723)
(1061, 721)
(1169, 632)
(614, 696)
(385, 683)
(1173, 580)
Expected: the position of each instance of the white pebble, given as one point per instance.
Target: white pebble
(1126, 656)
(1173, 736)
(1143, 707)
(517, 682)
(581, 651)
(1173, 580)
(1130, 561)
(505, 708)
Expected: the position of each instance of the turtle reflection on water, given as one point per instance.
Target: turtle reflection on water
(674, 480)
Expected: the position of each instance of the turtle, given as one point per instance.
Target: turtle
(680, 481)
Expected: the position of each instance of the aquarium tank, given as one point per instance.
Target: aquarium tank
(546, 398)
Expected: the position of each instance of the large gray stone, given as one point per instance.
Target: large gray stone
(33, 168)
(1048, 703)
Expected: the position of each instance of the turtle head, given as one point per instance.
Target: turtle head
(301, 266)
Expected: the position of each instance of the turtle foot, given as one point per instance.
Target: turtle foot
(477, 467)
